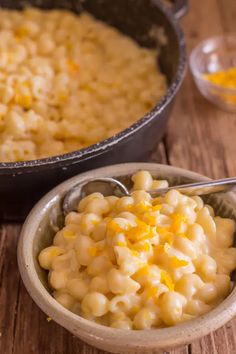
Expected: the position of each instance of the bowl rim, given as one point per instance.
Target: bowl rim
(196, 50)
(100, 147)
(89, 331)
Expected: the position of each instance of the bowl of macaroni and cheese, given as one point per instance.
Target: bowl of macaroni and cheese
(133, 273)
(80, 86)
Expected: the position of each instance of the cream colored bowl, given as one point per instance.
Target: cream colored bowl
(37, 233)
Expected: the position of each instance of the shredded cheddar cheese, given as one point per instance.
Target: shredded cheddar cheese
(150, 219)
(134, 310)
(151, 292)
(141, 207)
(178, 219)
(166, 280)
(162, 230)
(92, 251)
(113, 226)
(69, 234)
(167, 237)
(139, 232)
(157, 207)
(225, 78)
(21, 32)
(176, 262)
(143, 247)
(121, 244)
(143, 271)
(73, 67)
(135, 253)
(55, 252)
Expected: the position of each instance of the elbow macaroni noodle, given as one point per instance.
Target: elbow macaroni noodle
(69, 81)
(140, 262)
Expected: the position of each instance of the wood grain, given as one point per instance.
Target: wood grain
(9, 286)
(159, 155)
(209, 143)
(201, 138)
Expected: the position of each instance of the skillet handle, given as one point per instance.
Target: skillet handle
(179, 8)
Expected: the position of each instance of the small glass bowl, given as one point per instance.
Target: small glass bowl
(212, 55)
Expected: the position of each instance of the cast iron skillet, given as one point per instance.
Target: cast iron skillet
(23, 183)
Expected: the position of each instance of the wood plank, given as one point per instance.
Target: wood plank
(159, 155)
(228, 15)
(220, 341)
(181, 350)
(9, 286)
(209, 144)
(205, 345)
(230, 334)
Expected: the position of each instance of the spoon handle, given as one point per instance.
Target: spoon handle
(200, 188)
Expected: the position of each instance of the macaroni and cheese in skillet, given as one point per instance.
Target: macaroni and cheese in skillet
(69, 81)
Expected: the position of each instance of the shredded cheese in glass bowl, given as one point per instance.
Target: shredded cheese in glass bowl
(213, 65)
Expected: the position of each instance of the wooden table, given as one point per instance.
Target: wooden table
(200, 138)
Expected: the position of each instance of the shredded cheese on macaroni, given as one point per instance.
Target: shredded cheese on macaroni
(141, 265)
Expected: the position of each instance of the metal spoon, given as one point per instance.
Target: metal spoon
(111, 186)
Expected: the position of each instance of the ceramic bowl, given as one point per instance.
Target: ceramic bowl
(38, 232)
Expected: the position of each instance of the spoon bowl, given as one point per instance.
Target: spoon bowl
(112, 186)
(107, 186)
